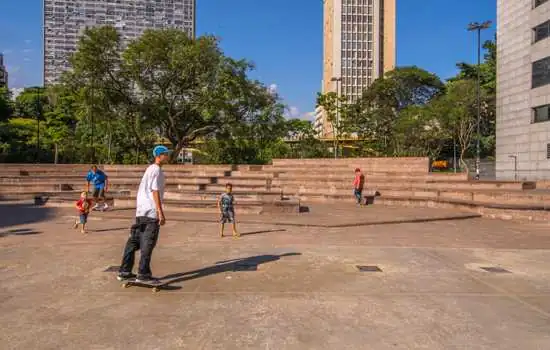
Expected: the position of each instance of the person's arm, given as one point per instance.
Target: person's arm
(158, 204)
(156, 197)
(88, 179)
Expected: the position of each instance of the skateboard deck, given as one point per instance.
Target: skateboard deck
(156, 286)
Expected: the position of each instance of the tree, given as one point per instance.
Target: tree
(456, 111)
(333, 107)
(376, 114)
(307, 145)
(180, 87)
(6, 107)
(488, 75)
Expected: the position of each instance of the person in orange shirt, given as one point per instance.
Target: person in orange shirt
(83, 206)
(358, 184)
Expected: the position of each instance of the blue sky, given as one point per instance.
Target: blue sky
(283, 38)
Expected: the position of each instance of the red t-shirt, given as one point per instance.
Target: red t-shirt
(359, 181)
(80, 204)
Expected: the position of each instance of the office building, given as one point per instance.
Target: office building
(65, 20)
(359, 47)
(523, 90)
(3, 72)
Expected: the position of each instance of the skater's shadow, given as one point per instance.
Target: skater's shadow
(260, 232)
(240, 264)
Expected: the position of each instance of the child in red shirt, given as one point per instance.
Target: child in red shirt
(358, 184)
(83, 206)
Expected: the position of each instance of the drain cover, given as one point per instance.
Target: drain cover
(245, 267)
(494, 269)
(112, 269)
(368, 268)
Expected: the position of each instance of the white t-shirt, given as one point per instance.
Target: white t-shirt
(152, 180)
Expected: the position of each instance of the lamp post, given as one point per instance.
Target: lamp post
(38, 116)
(336, 129)
(478, 27)
(515, 166)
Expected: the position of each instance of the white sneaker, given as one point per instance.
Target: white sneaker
(105, 207)
(95, 206)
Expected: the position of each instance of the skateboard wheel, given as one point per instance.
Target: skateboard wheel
(125, 285)
(155, 290)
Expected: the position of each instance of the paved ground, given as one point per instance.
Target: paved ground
(305, 293)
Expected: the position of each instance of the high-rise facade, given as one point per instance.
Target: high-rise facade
(523, 90)
(3, 73)
(65, 20)
(359, 47)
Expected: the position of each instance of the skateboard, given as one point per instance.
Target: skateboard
(156, 286)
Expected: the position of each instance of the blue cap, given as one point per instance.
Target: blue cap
(158, 150)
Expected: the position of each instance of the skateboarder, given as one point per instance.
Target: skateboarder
(358, 184)
(149, 217)
(100, 183)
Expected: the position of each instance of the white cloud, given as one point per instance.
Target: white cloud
(28, 41)
(308, 116)
(272, 88)
(292, 112)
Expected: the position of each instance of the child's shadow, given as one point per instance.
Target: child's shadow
(241, 264)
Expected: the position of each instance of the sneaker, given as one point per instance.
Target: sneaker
(75, 226)
(122, 276)
(95, 206)
(105, 207)
(147, 279)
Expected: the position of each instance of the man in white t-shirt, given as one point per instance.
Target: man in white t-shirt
(149, 217)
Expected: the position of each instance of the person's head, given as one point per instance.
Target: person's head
(228, 188)
(94, 168)
(84, 195)
(161, 154)
(357, 171)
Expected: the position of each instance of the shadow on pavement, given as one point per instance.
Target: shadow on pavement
(408, 221)
(19, 232)
(240, 264)
(22, 214)
(260, 232)
(110, 229)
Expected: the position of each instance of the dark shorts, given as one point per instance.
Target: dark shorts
(83, 218)
(227, 216)
(98, 192)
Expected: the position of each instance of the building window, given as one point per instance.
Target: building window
(548, 151)
(539, 2)
(541, 114)
(541, 72)
(542, 31)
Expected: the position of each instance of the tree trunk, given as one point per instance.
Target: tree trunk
(56, 153)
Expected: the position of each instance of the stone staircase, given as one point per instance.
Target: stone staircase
(286, 185)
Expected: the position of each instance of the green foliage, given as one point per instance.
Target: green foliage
(6, 107)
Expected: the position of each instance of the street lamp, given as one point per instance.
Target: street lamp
(515, 166)
(38, 116)
(336, 130)
(475, 26)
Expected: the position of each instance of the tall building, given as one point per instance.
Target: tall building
(523, 89)
(65, 20)
(3, 72)
(359, 47)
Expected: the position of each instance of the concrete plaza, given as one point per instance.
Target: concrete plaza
(290, 282)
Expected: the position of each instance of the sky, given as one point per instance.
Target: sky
(283, 38)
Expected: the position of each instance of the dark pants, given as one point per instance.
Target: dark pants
(143, 236)
(358, 193)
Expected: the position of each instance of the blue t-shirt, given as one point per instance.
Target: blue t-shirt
(97, 179)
